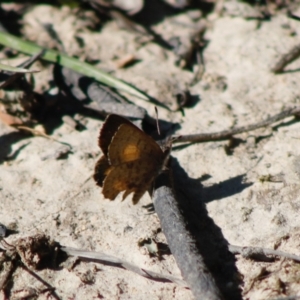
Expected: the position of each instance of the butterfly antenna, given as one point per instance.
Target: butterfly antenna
(157, 124)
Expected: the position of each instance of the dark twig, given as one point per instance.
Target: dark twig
(32, 59)
(5, 245)
(114, 261)
(25, 64)
(287, 58)
(49, 287)
(293, 16)
(13, 258)
(6, 273)
(252, 252)
(49, 28)
(181, 243)
(225, 134)
(8, 266)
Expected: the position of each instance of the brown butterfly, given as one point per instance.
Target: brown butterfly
(131, 159)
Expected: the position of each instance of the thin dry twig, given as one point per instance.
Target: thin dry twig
(287, 58)
(6, 273)
(5, 245)
(114, 261)
(250, 252)
(25, 64)
(39, 133)
(225, 134)
(14, 258)
(49, 287)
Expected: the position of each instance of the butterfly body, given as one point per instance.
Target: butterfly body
(131, 159)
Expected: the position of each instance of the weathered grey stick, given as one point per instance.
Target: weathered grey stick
(225, 134)
(181, 243)
(114, 261)
(261, 253)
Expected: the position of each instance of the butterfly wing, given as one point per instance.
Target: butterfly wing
(131, 160)
(108, 130)
(102, 169)
(130, 143)
(135, 176)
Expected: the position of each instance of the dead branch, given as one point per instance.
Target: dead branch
(49, 288)
(254, 252)
(42, 134)
(7, 272)
(114, 261)
(25, 64)
(226, 134)
(287, 58)
(181, 242)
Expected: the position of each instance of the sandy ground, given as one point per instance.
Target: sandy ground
(42, 194)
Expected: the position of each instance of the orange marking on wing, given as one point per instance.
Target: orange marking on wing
(130, 162)
(131, 152)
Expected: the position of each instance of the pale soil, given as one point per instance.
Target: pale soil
(50, 195)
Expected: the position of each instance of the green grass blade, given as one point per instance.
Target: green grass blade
(69, 62)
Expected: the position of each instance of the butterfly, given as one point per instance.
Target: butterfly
(131, 159)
